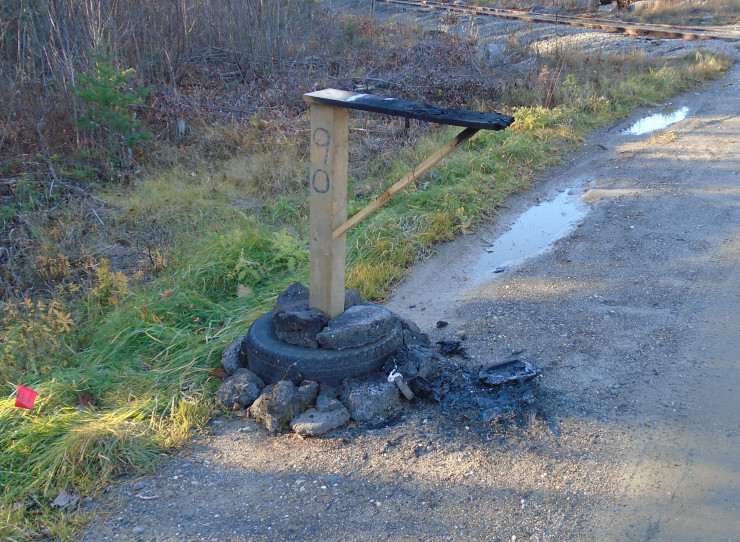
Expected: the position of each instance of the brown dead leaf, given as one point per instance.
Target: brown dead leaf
(86, 400)
(218, 372)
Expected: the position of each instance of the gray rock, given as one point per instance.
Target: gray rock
(239, 390)
(640, 6)
(412, 334)
(268, 388)
(369, 399)
(326, 402)
(308, 391)
(420, 361)
(277, 408)
(413, 362)
(351, 298)
(357, 326)
(313, 423)
(411, 339)
(295, 296)
(299, 325)
(252, 376)
(492, 51)
(233, 357)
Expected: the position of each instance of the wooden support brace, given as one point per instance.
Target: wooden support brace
(407, 179)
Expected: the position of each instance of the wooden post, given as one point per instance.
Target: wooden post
(328, 177)
(328, 185)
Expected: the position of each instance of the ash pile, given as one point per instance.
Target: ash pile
(296, 370)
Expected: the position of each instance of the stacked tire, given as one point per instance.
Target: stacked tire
(274, 360)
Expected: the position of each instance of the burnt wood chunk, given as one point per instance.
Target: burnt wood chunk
(400, 107)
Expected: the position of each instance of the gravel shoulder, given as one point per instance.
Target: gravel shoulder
(632, 431)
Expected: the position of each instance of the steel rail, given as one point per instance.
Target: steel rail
(595, 23)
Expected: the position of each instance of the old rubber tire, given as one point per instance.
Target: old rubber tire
(275, 360)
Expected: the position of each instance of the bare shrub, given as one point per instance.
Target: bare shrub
(52, 40)
(46, 45)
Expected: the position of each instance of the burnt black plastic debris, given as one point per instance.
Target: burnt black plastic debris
(452, 348)
(509, 371)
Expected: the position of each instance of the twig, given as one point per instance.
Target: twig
(45, 152)
(83, 191)
(482, 238)
(96, 215)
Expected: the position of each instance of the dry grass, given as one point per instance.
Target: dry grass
(651, 11)
(713, 12)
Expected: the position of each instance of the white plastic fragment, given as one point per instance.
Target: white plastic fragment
(397, 379)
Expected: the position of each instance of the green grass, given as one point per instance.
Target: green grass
(130, 378)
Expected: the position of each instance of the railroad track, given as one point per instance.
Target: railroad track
(596, 23)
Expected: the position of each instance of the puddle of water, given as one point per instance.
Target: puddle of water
(533, 232)
(657, 121)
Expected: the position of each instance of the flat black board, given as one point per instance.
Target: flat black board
(412, 110)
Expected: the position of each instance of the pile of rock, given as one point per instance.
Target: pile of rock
(298, 324)
(313, 408)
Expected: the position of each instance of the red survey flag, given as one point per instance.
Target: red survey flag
(25, 397)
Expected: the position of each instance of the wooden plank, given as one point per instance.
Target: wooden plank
(328, 182)
(404, 108)
(407, 179)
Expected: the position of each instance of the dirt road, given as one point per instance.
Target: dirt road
(680, 478)
(633, 432)
(636, 315)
